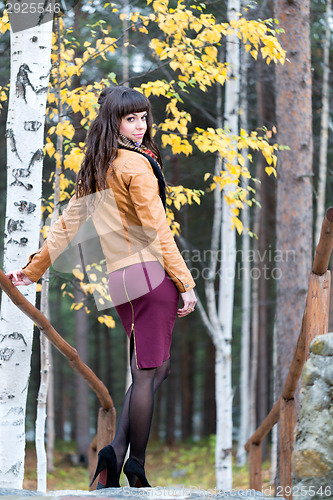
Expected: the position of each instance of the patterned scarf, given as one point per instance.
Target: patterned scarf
(125, 143)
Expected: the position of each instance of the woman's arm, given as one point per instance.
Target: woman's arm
(60, 235)
(189, 301)
(19, 278)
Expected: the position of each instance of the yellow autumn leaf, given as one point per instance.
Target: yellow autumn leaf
(49, 148)
(78, 274)
(107, 320)
(238, 224)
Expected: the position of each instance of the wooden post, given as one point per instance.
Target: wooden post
(255, 466)
(317, 307)
(288, 417)
(315, 322)
(325, 245)
(106, 426)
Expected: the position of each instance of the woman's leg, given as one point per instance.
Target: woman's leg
(122, 437)
(140, 410)
(162, 372)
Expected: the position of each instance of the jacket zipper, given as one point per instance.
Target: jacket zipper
(132, 326)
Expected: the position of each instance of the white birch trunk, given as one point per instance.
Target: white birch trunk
(244, 427)
(41, 409)
(30, 66)
(43, 401)
(324, 128)
(213, 324)
(223, 382)
(45, 351)
(218, 318)
(227, 282)
(50, 422)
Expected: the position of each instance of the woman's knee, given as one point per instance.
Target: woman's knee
(143, 374)
(166, 369)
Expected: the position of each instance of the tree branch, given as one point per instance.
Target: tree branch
(55, 338)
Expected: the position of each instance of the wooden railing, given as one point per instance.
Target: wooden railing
(315, 322)
(106, 422)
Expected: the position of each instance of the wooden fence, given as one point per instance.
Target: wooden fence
(106, 422)
(315, 322)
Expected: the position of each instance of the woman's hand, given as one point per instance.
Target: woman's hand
(189, 300)
(19, 278)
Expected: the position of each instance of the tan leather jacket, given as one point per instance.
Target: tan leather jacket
(129, 219)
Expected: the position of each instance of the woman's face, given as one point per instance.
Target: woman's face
(134, 126)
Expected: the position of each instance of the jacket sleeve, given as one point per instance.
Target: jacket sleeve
(143, 190)
(60, 235)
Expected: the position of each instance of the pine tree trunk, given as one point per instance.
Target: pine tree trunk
(294, 191)
(265, 224)
(255, 327)
(324, 127)
(30, 66)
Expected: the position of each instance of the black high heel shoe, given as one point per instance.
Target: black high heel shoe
(135, 474)
(107, 460)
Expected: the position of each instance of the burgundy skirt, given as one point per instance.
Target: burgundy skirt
(146, 300)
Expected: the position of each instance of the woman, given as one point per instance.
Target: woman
(121, 186)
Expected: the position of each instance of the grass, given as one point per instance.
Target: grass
(189, 465)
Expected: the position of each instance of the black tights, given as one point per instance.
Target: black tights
(137, 411)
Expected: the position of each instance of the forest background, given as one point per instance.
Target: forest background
(185, 407)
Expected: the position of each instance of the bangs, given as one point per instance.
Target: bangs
(133, 102)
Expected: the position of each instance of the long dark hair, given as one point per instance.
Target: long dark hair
(102, 139)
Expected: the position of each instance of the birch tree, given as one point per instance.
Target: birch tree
(42, 397)
(29, 77)
(45, 402)
(227, 278)
(324, 126)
